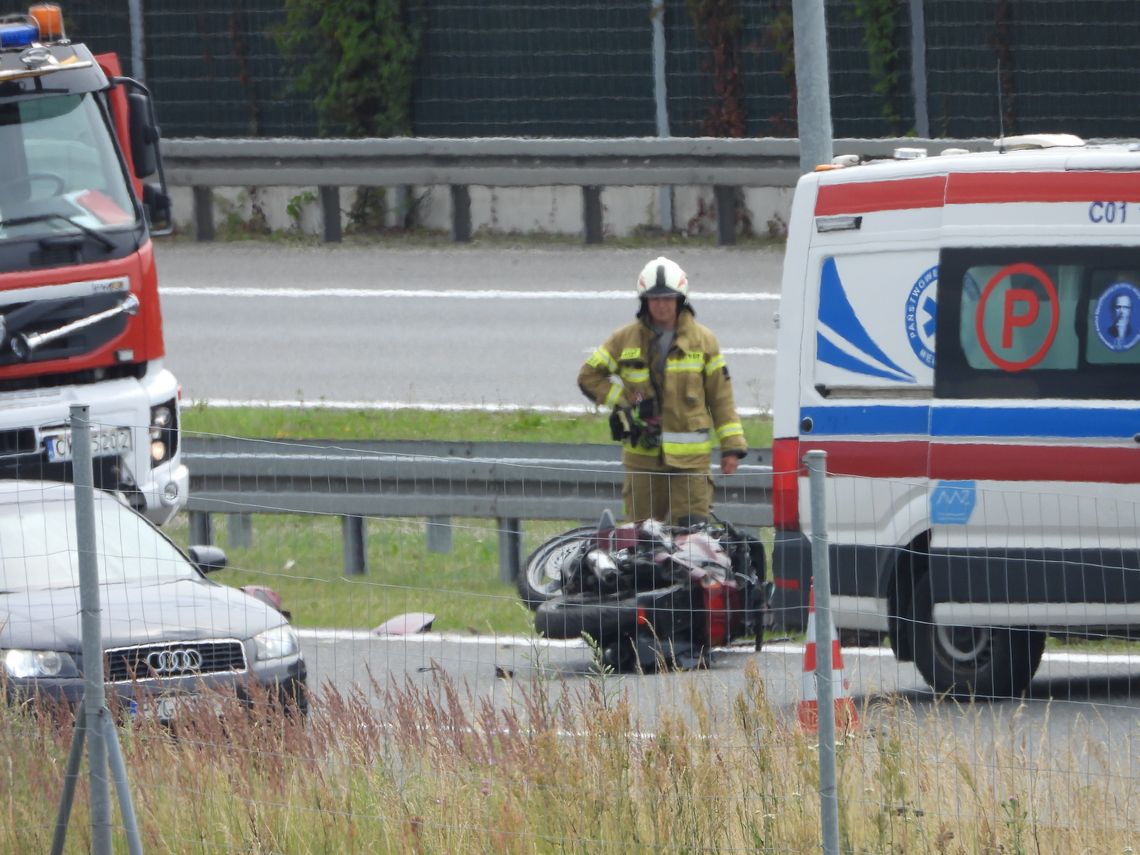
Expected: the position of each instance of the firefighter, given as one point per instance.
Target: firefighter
(667, 383)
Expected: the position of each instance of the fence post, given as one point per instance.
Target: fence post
(355, 545)
(201, 529)
(725, 197)
(239, 530)
(592, 213)
(821, 586)
(138, 41)
(460, 213)
(510, 549)
(809, 30)
(918, 68)
(102, 740)
(661, 104)
(330, 213)
(203, 214)
(439, 534)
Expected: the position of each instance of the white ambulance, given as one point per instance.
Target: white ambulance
(960, 332)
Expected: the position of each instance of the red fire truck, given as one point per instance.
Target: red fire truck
(81, 192)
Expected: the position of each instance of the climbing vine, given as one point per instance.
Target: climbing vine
(356, 58)
(779, 37)
(719, 25)
(879, 19)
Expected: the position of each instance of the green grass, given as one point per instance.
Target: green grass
(317, 422)
(301, 557)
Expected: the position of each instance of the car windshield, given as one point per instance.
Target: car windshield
(38, 547)
(61, 173)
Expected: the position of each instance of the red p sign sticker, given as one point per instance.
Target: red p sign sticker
(1011, 317)
(1020, 311)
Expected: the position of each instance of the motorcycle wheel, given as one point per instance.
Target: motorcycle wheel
(541, 576)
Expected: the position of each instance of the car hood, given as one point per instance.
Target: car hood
(190, 609)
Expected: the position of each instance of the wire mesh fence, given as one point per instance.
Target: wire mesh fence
(435, 716)
(585, 69)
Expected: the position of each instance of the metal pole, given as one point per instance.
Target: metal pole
(122, 789)
(809, 29)
(138, 49)
(665, 193)
(67, 798)
(918, 67)
(94, 697)
(821, 585)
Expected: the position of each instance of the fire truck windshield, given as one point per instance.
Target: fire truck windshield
(62, 174)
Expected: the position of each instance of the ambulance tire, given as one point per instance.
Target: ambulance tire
(965, 661)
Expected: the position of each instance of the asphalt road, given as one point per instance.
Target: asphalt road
(1075, 700)
(469, 325)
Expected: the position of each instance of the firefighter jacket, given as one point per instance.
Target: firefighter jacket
(694, 394)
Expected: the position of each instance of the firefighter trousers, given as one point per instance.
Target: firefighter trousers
(676, 496)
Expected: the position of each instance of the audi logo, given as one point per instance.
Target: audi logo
(169, 662)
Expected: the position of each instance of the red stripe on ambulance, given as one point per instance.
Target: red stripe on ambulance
(975, 188)
(863, 196)
(976, 462)
(1069, 463)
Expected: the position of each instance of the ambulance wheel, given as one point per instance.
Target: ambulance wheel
(971, 661)
(541, 576)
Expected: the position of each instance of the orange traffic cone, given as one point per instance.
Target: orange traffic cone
(846, 717)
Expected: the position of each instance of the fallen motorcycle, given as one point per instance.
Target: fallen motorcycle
(647, 594)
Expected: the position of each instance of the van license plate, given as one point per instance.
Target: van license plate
(106, 442)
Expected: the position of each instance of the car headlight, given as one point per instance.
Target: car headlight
(25, 664)
(277, 643)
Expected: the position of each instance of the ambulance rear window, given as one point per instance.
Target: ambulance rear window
(1037, 322)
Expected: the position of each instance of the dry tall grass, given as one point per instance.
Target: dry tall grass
(436, 770)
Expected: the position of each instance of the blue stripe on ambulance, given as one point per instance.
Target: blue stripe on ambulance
(973, 421)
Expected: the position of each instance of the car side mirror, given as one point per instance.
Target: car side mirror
(208, 558)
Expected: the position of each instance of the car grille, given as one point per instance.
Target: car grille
(175, 659)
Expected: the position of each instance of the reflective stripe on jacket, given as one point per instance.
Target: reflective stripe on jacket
(698, 412)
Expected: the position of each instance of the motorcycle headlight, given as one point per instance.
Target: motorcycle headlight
(277, 643)
(26, 664)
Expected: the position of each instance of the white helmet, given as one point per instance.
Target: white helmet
(662, 278)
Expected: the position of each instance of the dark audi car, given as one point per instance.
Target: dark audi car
(171, 637)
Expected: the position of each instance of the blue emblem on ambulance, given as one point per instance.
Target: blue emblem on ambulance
(921, 316)
(1116, 323)
(842, 340)
(952, 502)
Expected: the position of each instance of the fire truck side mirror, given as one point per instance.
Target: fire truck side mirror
(157, 205)
(144, 135)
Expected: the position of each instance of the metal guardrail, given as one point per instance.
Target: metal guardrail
(724, 164)
(508, 482)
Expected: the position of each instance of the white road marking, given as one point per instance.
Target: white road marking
(320, 404)
(451, 294)
(786, 648)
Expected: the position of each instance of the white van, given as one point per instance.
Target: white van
(961, 334)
